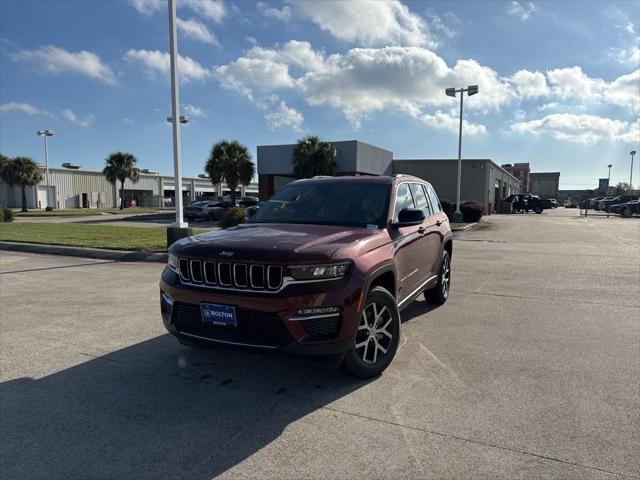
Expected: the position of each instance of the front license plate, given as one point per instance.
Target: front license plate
(218, 314)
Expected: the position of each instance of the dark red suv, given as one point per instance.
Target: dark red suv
(323, 268)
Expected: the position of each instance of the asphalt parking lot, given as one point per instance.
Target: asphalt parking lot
(529, 371)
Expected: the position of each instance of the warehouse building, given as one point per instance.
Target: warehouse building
(545, 184)
(77, 188)
(482, 179)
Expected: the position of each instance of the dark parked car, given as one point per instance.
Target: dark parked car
(248, 201)
(526, 202)
(629, 209)
(605, 204)
(322, 268)
(593, 202)
(600, 205)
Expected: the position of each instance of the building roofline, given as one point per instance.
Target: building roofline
(455, 160)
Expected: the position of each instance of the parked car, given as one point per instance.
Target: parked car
(323, 268)
(248, 201)
(205, 210)
(600, 205)
(571, 204)
(593, 202)
(526, 202)
(630, 208)
(605, 204)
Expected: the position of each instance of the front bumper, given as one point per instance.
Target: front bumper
(267, 321)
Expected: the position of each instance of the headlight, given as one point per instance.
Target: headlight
(172, 262)
(318, 272)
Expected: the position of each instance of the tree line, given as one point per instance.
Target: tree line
(229, 162)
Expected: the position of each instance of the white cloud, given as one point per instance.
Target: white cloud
(158, 62)
(83, 121)
(573, 82)
(530, 84)
(625, 91)
(585, 129)
(523, 11)
(446, 24)
(283, 14)
(285, 116)
(194, 30)
(446, 121)
(211, 9)
(58, 60)
(193, 111)
(368, 22)
(24, 108)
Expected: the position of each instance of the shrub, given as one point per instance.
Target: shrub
(232, 217)
(471, 211)
(448, 207)
(6, 215)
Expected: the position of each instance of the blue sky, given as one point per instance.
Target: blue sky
(559, 81)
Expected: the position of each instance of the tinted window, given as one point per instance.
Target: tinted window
(435, 203)
(403, 199)
(327, 203)
(420, 199)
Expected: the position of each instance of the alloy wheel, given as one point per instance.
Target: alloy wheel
(445, 279)
(374, 333)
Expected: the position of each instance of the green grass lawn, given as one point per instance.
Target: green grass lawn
(96, 236)
(82, 212)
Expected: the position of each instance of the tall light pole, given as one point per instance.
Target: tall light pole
(451, 92)
(179, 228)
(632, 153)
(609, 177)
(45, 134)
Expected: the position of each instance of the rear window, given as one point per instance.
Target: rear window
(435, 202)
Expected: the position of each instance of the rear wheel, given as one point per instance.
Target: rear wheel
(440, 293)
(627, 212)
(538, 210)
(376, 340)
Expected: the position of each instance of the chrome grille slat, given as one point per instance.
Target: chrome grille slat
(231, 275)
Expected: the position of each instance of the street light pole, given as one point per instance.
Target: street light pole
(632, 153)
(179, 228)
(451, 92)
(45, 134)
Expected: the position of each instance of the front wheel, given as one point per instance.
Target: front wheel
(538, 210)
(626, 212)
(440, 293)
(376, 340)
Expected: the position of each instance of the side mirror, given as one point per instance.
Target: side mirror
(409, 216)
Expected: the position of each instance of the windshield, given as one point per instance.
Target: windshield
(321, 203)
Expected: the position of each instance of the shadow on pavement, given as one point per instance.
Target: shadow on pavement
(157, 410)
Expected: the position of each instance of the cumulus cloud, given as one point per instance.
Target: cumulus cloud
(625, 91)
(445, 25)
(156, 61)
(284, 116)
(58, 60)
(23, 108)
(81, 121)
(523, 11)
(195, 30)
(530, 84)
(573, 82)
(367, 22)
(585, 129)
(193, 111)
(282, 14)
(211, 9)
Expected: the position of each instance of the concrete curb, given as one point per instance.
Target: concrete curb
(466, 228)
(98, 253)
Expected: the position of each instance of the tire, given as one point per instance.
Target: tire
(439, 294)
(626, 212)
(371, 354)
(538, 210)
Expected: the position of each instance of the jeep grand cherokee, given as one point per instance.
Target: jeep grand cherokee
(323, 268)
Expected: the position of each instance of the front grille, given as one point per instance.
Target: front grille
(254, 327)
(231, 275)
(322, 327)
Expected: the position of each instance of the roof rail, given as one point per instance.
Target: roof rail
(398, 175)
(322, 176)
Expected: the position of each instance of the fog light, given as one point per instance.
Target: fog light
(318, 310)
(166, 307)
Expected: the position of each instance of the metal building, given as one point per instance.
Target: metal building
(75, 188)
(482, 180)
(545, 184)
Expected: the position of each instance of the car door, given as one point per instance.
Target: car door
(408, 245)
(434, 224)
(431, 241)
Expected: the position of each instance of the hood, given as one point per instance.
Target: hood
(280, 243)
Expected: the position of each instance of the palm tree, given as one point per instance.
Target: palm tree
(230, 161)
(312, 156)
(20, 171)
(121, 166)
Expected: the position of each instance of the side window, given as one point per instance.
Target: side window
(435, 203)
(421, 199)
(403, 199)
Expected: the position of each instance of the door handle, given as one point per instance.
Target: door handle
(438, 223)
(421, 230)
